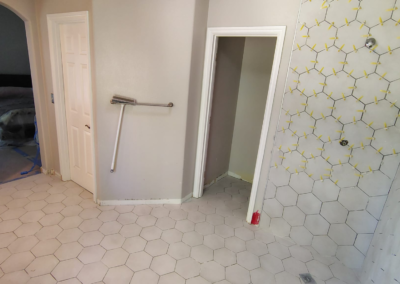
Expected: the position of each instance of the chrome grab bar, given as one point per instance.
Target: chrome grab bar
(123, 101)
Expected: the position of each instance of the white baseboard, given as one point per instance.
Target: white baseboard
(232, 174)
(215, 180)
(144, 201)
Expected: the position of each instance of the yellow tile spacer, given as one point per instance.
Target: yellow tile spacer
(317, 22)
(298, 46)
(383, 76)
(350, 73)
(340, 49)
(354, 47)
(347, 22)
(379, 150)
(331, 25)
(380, 20)
(319, 137)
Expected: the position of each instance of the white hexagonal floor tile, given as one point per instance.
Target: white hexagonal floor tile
(301, 236)
(303, 58)
(366, 159)
(361, 222)
(324, 245)
(353, 198)
(321, 34)
(389, 65)
(350, 256)
(330, 59)
(338, 85)
(316, 225)
(342, 234)
(319, 106)
(328, 128)
(309, 204)
(326, 190)
(375, 183)
(294, 216)
(351, 35)
(334, 212)
(360, 61)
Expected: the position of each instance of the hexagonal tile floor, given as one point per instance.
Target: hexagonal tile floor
(52, 232)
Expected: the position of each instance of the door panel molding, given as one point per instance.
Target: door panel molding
(54, 22)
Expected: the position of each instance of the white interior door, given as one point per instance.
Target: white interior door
(75, 60)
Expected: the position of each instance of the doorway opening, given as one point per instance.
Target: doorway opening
(19, 142)
(71, 77)
(240, 72)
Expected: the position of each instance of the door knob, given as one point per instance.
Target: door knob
(87, 126)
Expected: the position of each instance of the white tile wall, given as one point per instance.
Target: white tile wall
(319, 192)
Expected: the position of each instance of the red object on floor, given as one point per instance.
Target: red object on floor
(256, 218)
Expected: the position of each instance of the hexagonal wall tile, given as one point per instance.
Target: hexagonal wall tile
(360, 61)
(301, 236)
(350, 256)
(311, 81)
(353, 198)
(303, 58)
(309, 145)
(301, 36)
(273, 208)
(366, 159)
(339, 11)
(286, 196)
(379, 114)
(301, 183)
(351, 35)
(369, 88)
(335, 152)
(387, 140)
(358, 133)
(371, 9)
(345, 175)
(318, 168)
(328, 128)
(319, 105)
(321, 35)
(330, 59)
(389, 65)
(326, 190)
(292, 80)
(310, 12)
(279, 176)
(394, 89)
(293, 161)
(375, 183)
(294, 102)
(336, 85)
(286, 140)
(301, 124)
(348, 109)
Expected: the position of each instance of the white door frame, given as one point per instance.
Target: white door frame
(54, 21)
(206, 101)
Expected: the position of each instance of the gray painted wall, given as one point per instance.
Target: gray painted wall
(13, 46)
(226, 91)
